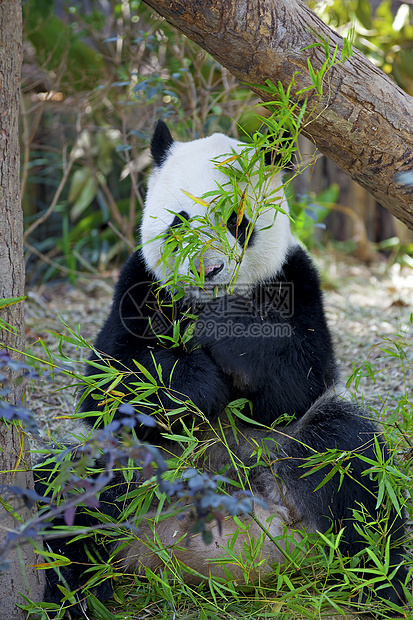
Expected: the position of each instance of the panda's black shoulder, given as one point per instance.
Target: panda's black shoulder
(300, 271)
(134, 277)
(300, 268)
(136, 301)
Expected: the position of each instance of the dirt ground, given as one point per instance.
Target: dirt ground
(365, 306)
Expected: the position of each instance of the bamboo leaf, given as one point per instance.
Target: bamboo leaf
(198, 201)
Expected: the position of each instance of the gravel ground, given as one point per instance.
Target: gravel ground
(365, 306)
(370, 309)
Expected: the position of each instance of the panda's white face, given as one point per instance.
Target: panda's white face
(188, 167)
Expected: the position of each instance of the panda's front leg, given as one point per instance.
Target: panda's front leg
(189, 375)
(282, 364)
(138, 332)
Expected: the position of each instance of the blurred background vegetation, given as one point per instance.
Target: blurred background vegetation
(96, 76)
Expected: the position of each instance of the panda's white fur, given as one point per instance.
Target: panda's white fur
(181, 172)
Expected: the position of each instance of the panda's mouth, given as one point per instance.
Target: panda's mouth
(208, 268)
(209, 289)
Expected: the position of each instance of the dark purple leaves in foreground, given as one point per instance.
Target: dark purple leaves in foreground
(106, 452)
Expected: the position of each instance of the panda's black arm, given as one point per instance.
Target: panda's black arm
(139, 308)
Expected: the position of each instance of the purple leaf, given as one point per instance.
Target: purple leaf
(146, 420)
(69, 515)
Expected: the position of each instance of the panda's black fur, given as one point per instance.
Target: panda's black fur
(290, 372)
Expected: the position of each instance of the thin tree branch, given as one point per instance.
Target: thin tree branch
(55, 200)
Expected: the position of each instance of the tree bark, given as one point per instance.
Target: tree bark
(14, 457)
(363, 121)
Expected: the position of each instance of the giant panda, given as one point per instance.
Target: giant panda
(265, 339)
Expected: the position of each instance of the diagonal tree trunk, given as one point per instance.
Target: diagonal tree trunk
(364, 121)
(20, 577)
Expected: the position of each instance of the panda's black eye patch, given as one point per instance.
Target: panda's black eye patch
(240, 232)
(177, 221)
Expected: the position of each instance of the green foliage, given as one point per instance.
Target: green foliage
(316, 578)
(385, 37)
(60, 46)
(397, 252)
(309, 211)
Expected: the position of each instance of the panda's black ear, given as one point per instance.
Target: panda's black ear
(273, 157)
(161, 143)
